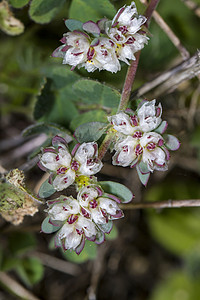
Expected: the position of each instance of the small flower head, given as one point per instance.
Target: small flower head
(145, 119)
(98, 206)
(125, 31)
(64, 167)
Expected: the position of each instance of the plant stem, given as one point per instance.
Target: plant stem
(130, 76)
(163, 204)
(105, 144)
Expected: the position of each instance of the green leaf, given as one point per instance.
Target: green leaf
(30, 270)
(97, 115)
(107, 227)
(177, 285)
(10, 263)
(89, 132)
(91, 91)
(117, 189)
(46, 189)
(171, 142)
(20, 242)
(62, 76)
(85, 10)
(51, 129)
(43, 11)
(88, 252)
(46, 227)
(143, 177)
(63, 110)
(177, 230)
(45, 100)
(74, 24)
(18, 3)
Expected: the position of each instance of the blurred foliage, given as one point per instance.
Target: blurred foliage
(15, 257)
(37, 86)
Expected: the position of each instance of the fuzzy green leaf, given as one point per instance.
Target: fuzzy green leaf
(89, 132)
(85, 10)
(46, 189)
(45, 100)
(73, 24)
(97, 115)
(43, 11)
(18, 3)
(117, 189)
(93, 92)
(46, 227)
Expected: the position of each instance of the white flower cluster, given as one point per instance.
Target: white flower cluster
(64, 167)
(90, 215)
(101, 45)
(87, 217)
(140, 141)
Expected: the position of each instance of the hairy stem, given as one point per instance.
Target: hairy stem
(130, 76)
(163, 204)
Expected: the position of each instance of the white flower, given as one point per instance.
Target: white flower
(149, 149)
(149, 116)
(73, 233)
(81, 51)
(75, 48)
(127, 151)
(64, 168)
(125, 32)
(61, 208)
(102, 56)
(123, 123)
(155, 155)
(97, 206)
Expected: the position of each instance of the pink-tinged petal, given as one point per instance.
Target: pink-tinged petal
(72, 69)
(112, 197)
(48, 160)
(54, 223)
(51, 202)
(172, 143)
(58, 140)
(95, 42)
(63, 40)
(100, 191)
(58, 52)
(166, 152)
(91, 238)
(51, 178)
(162, 127)
(120, 11)
(118, 215)
(75, 149)
(91, 27)
(65, 48)
(49, 149)
(82, 33)
(40, 165)
(134, 162)
(101, 239)
(101, 24)
(79, 249)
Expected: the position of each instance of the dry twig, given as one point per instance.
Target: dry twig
(193, 6)
(163, 204)
(169, 80)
